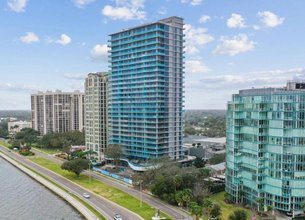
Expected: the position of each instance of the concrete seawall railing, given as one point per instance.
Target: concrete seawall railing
(66, 196)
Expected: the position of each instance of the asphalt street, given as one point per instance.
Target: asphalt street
(152, 201)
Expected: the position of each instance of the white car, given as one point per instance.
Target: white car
(86, 195)
(117, 217)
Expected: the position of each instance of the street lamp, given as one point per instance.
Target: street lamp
(141, 196)
(89, 163)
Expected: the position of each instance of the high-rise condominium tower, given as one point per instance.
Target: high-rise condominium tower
(96, 112)
(57, 111)
(266, 147)
(146, 89)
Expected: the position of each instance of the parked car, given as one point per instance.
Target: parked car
(86, 195)
(117, 217)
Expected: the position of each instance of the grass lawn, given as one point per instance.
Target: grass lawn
(47, 150)
(3, 143)
(227, 209)
(115, 195)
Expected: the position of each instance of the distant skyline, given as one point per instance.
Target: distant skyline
(230, 45)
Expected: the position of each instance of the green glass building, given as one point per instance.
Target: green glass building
(265, 154)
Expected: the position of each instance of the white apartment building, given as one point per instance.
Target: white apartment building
(57, 111)
(96, 112)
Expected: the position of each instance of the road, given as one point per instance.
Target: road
(152, 201)
(104, 206)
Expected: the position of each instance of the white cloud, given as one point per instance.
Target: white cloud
(265, 78)
(236, 21)
(125, 10)
(256, 27)
(270, 19)
(192, 2)
(63, 40)
(204, 19)
(17, 5)
(162, 11)
(29, 37)
(195, 66)
(223, 86)
(18, 87)
(233, 46)
(82, 3)
(195, 38)
(99, 52)
(78, 86)
(76, 76)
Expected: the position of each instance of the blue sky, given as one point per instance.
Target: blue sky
(230, 44)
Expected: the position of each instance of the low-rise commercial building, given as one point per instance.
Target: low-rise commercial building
(17, 126)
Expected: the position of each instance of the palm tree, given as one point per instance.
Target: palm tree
(187, 196)
(196, 210)
(241, 195)
(178, 198)
(207, 206)
(226, 197)
(177, 181)
(260, 203)
(303, 206)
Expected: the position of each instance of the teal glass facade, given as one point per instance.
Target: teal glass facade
(265, 154)
(145, 98)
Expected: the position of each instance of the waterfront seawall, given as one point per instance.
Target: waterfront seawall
(66, 196)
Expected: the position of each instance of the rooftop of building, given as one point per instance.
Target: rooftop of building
(292, 86)
(98, 74)
(48, 92)
(163, 21)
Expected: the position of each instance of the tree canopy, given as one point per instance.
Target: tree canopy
(61, 140)
(76, 166)
(115, 152)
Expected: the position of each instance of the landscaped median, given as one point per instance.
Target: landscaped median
(113, 194)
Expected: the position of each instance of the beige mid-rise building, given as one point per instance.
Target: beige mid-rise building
(96, 113)
(17, 126)
(57, 111)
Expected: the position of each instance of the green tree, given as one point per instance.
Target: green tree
(177, 181)
(115, 152)
(67, 149)
(76, 166)
(3, 129)
(179, 198)
(187, 196)
(216, 211)
(196, 210)
(238, 215)
(207, 206)
(83, 154)
(199, 162)
(303, 206)
(218, 158)
(260, 204)
(241, 195)
(227, 197)
(28, 136)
